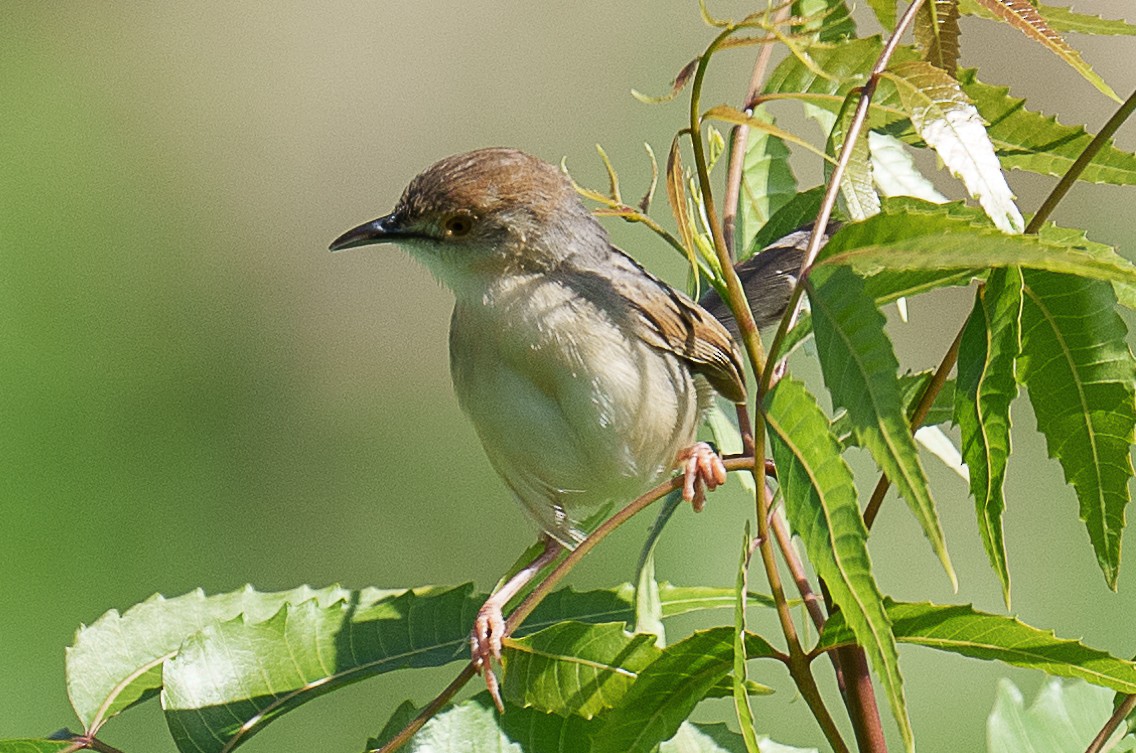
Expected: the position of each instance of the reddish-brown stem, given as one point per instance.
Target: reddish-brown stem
(732, 197)
(1118, 716)
(525, 608)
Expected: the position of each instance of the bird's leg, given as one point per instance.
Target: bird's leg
(489, 625)
(702, 469)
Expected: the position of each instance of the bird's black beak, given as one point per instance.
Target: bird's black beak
(383, 230)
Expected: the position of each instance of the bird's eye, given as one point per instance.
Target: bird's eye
(458, 225)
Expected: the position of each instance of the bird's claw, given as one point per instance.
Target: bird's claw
(485, 647)
(702, 470)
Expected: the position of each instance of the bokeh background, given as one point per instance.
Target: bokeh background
(194, 393)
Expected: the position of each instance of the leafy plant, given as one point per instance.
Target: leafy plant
(577, 675)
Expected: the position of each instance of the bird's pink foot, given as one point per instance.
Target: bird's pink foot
(702, 470)
(485, 646)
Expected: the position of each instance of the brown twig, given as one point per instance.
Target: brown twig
(1118, 716)
(732, 196)
(525, 608)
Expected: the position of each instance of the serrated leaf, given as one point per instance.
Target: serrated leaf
(575, 668)
(1028, 140)
(1066, 19)
(911, 235)
(669, 688)
(1023, 16)
(821, 504)
(232, 678)
(961, 629)
(895, 173)
(937, 33)
(34, 745)
(986, 386)
(911, 387)
(1081, 380)
(859, 368)
(767, 183)
(117, 660)
(859, 199)
(950, 124)
(1063, 718)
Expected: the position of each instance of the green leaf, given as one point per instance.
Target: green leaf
(821, 504)
(961, 629)
(990, 345)
(575, 668)
(911, 388)
(858, 195)
(949, 123)
(1064, 718)
(767, 183)
(1028, 140)
(1023, 16)
(117, 661)
(231, 678)
(1080, 375)
(669, 688)
(717, 738)
(800, 210)
(885, 12)
(471, 727)
(913, 235)
(738, 676)
(826, 20)
(1066, 19)
(859, 370)
(937, 33)
(32, 745)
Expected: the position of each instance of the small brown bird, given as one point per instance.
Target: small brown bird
(585, 376)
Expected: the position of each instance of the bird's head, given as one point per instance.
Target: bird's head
(474, 217)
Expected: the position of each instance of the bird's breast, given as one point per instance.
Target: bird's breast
(573, 409)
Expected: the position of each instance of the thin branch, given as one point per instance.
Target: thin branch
(741, 136)
(1118, 716)
(525, 608)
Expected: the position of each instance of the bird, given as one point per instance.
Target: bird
(585, 376)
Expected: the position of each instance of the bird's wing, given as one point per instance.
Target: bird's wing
(669, 320)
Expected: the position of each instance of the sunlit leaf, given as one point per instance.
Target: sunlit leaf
(859, 199)
(1081, 381)
(117, 661)
(885, 12)
(1028, 140)
(1063, 718)
(986, 386)
(895, 173)
(961, 629)
(821, 504)
(1023, 16)
(912, 235)
(950, 124)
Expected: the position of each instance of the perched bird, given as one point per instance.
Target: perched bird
(585, 376)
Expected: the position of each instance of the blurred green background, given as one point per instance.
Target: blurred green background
(194, 393)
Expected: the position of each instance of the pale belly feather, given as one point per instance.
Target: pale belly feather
(572, 417)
